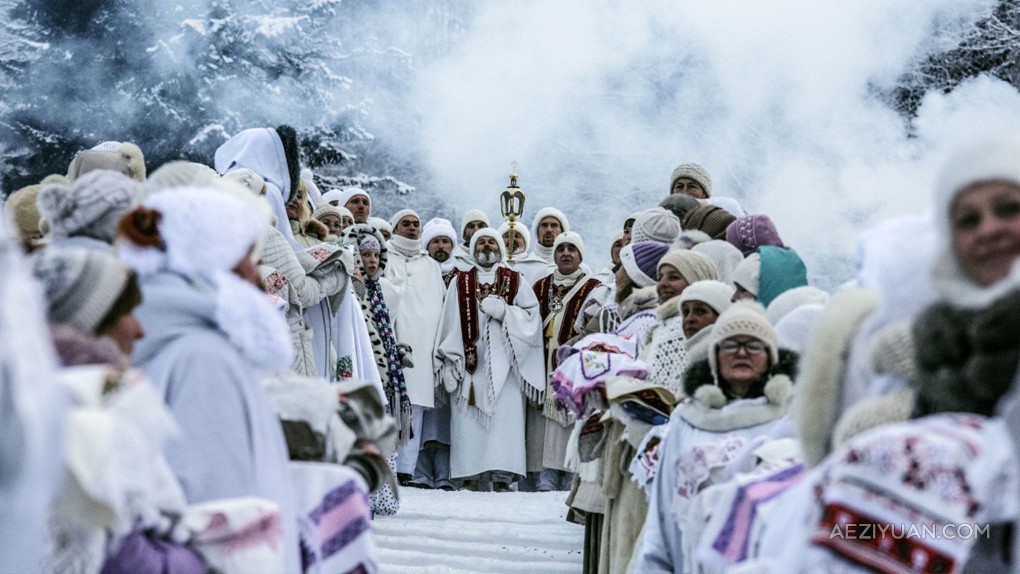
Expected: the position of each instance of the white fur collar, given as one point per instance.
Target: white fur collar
(708, 410)
(669, 309)
(954, 285)
(252, 323)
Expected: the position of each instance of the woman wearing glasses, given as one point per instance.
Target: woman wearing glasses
(739, 392)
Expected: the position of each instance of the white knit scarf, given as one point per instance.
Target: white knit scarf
(404, 246)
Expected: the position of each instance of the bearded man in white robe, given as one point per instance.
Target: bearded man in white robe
(489, 357)
(473, 220)
(416, 321)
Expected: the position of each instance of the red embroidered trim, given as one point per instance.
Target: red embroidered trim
(506, 285)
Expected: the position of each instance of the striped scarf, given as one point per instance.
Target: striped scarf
(394, 385)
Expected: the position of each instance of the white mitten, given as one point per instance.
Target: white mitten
(494, 307)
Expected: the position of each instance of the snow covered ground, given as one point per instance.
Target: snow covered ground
(437, 531)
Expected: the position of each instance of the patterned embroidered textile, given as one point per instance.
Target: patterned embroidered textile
(666, 355)
(909, 485)
(335, 519)
(579, 381)
(470, 293)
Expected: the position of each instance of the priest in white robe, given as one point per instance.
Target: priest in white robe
(473, 220)
(416, 321)
(489, 357)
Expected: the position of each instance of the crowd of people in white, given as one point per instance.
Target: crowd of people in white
(227, 369)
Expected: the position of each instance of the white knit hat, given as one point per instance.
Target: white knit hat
(695, 172)
(791, 299)
(487, 232)
(550, 212)
(692, 266)
(571, 238)
(342, 196)
(380, 224)
(402, 214)
(655, 224)
(519, 229)
(748, 273)
(437, 227)
(91, 206)
(793, 331)
(469, 216)
(742, 318)
(81, 285)
(324, 209)
(205, 230)
(715, 294)
(723, 254)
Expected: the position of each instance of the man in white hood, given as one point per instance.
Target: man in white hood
(439, 239)
(416, 320)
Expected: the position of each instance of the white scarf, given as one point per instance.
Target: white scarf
(404, 246)
(546, 253)
(561, 279)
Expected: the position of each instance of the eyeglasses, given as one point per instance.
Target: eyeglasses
(752, 347)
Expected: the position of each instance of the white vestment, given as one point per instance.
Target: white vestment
(487, 423)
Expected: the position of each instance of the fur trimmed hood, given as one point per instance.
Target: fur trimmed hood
(668, 310)
(642, 299)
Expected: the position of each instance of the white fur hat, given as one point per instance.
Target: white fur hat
(437, 227)
(571, 238)
(791, 299)
(655, 224)
(550, 212)
(519, 229)
(205, 230)
(247, 178)
(748, 273)
(715, 294)
(402, 214)
(742, 318)
(487, 232)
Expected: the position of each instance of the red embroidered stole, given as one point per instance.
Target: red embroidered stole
(469, 294)
(572, 309)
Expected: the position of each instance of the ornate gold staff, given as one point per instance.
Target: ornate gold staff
(511, 205)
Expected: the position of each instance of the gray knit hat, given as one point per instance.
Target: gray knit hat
(81, 285)
(655, 224)
(91, 206)
(695, 172)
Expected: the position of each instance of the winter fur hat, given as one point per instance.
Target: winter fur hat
(519, 229)
(487, 232)
(180, 173)
(248, 179)
(90, 207)
(125, 158)
(710, 219)
(724, 255)
(692, 266)
(695, 172)
(991, 159)
(196, 231)
(402, 214)
(789, 300)
(437, 227)
(81, 285)
(729, 204)
(641, 261)
(571, 238)
(22, 213)
(749, 233)
(680, 204)
(748, 273)
(742, 318)
(550, 212)
(469, 216)
(656, 224)
(715, 294)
